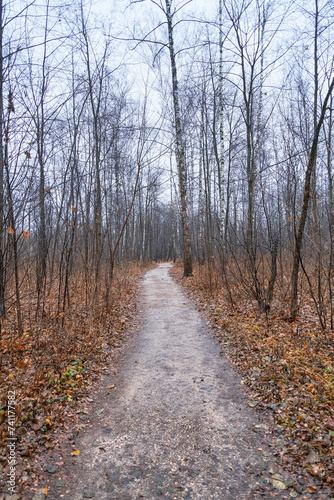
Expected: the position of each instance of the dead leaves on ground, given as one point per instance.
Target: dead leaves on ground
(53, 365)
(289, 371)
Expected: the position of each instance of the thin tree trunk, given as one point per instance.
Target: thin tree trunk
(13, 235)
(95, 102)
(2, 229)
(221, 162)
(42, 242)
(315, 113)
(331, 212)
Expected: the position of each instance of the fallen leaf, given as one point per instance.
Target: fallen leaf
(75, 453)
(311, 489)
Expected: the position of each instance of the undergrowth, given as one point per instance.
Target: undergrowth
(287, 367)
(54, 363)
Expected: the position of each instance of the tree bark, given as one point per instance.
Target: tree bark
(221, 162)
(2, 229)
(180, 151)
(331, 212)
(40, 139)
(13, 236)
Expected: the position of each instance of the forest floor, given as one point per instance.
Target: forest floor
(53, 367)
(172, 422)
(170, 417)
(287, 369)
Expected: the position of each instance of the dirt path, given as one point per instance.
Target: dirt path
(176, 425)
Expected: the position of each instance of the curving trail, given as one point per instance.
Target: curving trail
(176, 425)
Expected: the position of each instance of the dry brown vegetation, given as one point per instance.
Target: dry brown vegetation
(53, 364)
(287, 367)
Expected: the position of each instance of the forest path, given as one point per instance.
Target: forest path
(176, 425)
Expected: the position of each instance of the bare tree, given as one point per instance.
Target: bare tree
(305, 206)
(180, 152)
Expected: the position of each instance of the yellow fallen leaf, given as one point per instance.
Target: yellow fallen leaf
(110, 386)
(48, 421)
(75, 453)
(45, 490)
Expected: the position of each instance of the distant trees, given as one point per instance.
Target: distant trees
(74, 152)
(223, 156)
(169, 11)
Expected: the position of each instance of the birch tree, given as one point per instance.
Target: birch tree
(180, 150)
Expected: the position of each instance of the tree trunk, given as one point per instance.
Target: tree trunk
(13, 235)
(180, 152)
(221, 162)
(2, 229)
(331, 212)
(40, 139)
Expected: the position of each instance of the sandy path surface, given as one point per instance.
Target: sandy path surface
(177, 424)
